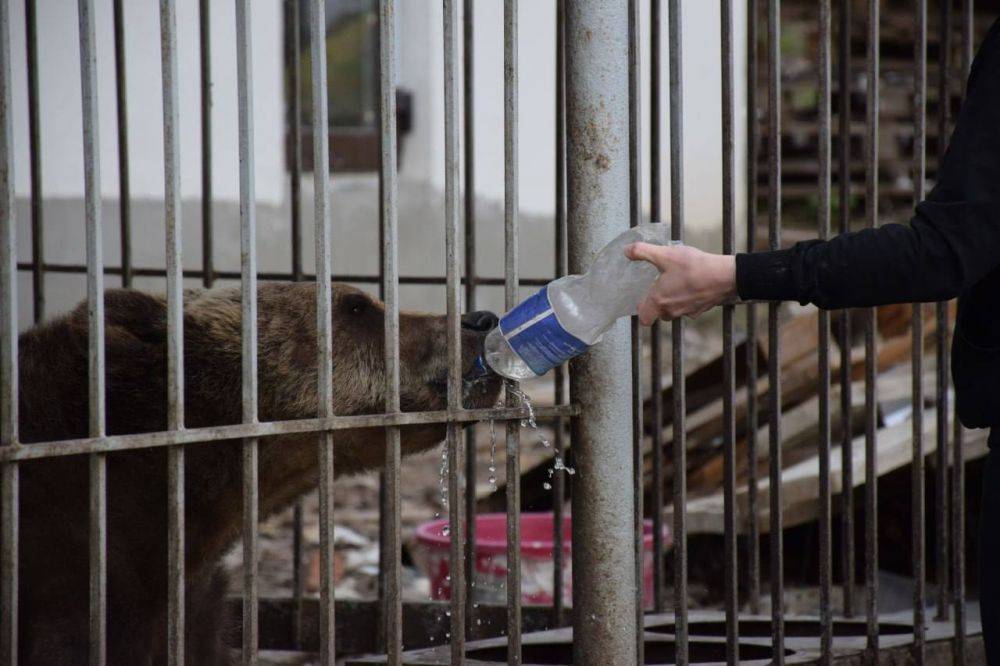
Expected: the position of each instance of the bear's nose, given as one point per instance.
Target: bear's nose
(481, 321)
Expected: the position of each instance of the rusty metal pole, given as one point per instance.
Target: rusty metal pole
(597, 114)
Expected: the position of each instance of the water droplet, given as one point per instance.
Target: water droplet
(547, 485)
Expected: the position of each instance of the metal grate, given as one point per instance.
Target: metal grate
(609, 552)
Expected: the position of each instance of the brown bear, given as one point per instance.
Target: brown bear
(53, 587)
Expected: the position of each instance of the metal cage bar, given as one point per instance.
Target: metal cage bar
(958, 465)
(293, 50)
(635, 218)
(942, 371)
(773, 331)
(98, 500)
(390, 285)
(823, 228)
(121, 109)
(469, 220)
(456, 487)
(655, 342)
(356, 278)
(511, 272)
(324, 323)
(597, 115)
(559, 374)
(871, 221)
(248, 264)
(35, 149)
(205, 82)
(728, 95)
(917, 345)
(175, 334)
(9, 477)
(116, 443)
(753, 149)
(844, 318)
(678, 379)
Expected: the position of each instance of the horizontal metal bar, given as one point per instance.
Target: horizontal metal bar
(359, 278)
(116, 443)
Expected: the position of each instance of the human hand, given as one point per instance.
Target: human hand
(690, 282)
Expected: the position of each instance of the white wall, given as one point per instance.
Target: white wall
(59, 83)
(421, 56)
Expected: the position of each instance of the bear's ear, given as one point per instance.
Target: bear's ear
(129, 312)
(139, 313)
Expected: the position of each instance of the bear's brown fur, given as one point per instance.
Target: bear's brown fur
(53, 617)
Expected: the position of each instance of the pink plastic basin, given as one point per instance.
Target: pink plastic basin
(536, 558)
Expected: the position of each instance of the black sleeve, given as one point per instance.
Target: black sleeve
(952, 241)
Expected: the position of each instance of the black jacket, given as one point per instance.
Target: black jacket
(950, 248)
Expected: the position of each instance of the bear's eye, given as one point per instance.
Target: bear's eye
(356, 304)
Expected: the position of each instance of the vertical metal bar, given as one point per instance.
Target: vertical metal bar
(773, 332)
(468, 95)
(248, 281)
(597, 114)
(941, 334)
(35, 151)
(559, 374)
(511, 274)
(655, 343)
(753, 141)
(823, 224)
(384, 521)
(728, 94)
(175, 333)
(293, 49)
(390, 286)
(324, 322)
(679, 381)
(844, 323)
(456, 499)
(95, 355)
(871, 445)
(635, 217)
(917, 346)
(9, 477)
(121, 107)
(958, 466)
(205, 72)
(958, 538)
(295, 122)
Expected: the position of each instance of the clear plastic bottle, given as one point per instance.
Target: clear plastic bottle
(571, 314)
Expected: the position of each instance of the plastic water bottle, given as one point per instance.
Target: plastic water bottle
(571, 314)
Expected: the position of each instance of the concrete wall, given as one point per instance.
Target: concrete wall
(59, 83)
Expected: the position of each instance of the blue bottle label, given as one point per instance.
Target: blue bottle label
(534, 332)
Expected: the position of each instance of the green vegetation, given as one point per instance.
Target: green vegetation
(350, 54)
